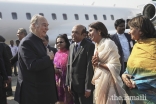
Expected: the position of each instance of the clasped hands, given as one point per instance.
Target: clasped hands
(95, 60)
(50, 54)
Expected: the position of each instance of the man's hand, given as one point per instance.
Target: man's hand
(69, 90)
(87, 94)
(50, 54)
(5, 83)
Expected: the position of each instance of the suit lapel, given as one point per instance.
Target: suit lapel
(77, 53)
(71, 52)
(80, 49)
(117, 38)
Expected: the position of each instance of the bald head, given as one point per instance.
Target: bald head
(81, 27)
(78, 33)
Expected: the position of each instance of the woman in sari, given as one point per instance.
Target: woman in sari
(140, 74)
(108, 84)
(60, 62)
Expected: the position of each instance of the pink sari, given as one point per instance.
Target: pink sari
(60, 61)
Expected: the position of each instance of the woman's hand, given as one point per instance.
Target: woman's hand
(58, 71)
(95, 60)
(128, 81)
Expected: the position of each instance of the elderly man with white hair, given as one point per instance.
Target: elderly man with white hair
(35, 63)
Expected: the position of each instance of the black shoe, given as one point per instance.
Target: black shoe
(9, 94)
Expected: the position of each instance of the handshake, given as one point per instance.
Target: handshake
(50, 54)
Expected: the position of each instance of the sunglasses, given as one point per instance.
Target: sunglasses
(59, 42)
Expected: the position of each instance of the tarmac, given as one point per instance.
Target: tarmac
(10, 100)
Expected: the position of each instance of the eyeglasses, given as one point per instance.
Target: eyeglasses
(59, 42)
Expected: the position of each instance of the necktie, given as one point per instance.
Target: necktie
(76, 46)
(75, 49)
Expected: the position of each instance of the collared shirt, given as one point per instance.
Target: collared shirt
(78, 44)
(17, 48)
(125, 46)
(13, 49)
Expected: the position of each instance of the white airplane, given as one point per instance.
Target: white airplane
(62, 18)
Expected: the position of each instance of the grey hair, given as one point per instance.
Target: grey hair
(34, 21)
(22, 30)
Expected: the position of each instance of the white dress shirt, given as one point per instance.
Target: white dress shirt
(125, 46)
(13, 50)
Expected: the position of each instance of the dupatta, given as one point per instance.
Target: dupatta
(108, 54)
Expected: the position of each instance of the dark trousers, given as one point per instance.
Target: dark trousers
(9, 89)
(15, 69)
(2, 93)
(79, 98)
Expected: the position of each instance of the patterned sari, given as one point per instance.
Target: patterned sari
(60, 61)
(142, 66)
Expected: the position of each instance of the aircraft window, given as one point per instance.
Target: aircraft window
(76, 16)
(53, 16)
(112, 17)
(41, 14)
(86, 16)
(28, 15)
(104, 17)
(64, 16)
(95, 16)
(14, 15)
(0, 15)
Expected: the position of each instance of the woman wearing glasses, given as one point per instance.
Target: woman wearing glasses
(60, 61)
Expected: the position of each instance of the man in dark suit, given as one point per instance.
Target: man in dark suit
(21, 33)
(5, 72)
(3, 82)
(37, 70)
(9, 54)
(2, 39)
(46, 41)
(123, 42)
(80, 69)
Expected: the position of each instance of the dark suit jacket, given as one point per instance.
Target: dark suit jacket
(14, 59)
(8, 51)
(5, 58)
(79, 68)
(117, 42)
(3, 73)
(37, 84)
(52, 49)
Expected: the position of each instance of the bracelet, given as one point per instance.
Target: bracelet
(98, 64)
